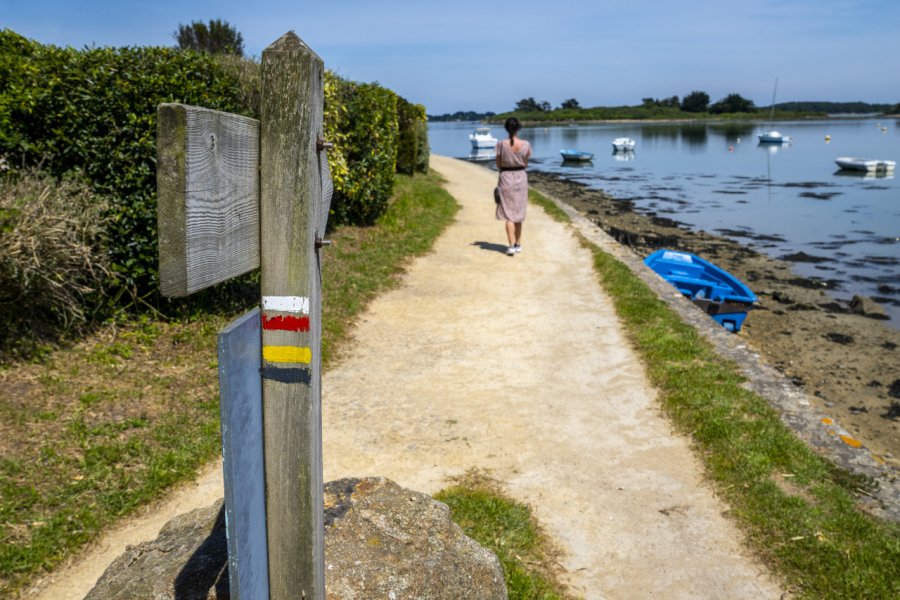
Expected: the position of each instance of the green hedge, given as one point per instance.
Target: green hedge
(94, 111)
(412, 154)
(368, 140)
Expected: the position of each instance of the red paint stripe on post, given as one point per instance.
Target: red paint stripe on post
(285, 323)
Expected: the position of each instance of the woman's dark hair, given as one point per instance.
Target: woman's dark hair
(512, 126)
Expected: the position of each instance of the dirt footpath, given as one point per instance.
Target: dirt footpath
(518, 366)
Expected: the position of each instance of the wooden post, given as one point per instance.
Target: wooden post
(290, 201)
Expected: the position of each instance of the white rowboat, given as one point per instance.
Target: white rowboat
(853, 163)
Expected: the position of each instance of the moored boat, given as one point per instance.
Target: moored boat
(853, 163)
(482, 138)
(717, 292)
(772, 137)
(621, 144)
(576, 155)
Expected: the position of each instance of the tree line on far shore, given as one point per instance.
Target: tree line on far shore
(693, 105)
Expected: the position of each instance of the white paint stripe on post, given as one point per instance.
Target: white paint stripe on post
(292, 304)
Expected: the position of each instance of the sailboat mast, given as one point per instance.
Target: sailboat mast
(772, 109)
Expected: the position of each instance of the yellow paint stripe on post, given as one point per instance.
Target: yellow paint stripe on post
(287, 354)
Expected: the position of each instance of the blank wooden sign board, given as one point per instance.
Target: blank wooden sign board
(208, 197)
(236, 194)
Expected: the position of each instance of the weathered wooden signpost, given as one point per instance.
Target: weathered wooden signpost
(236, 194)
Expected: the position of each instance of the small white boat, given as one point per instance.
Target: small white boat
(576, 155)
(482, 138)
(852, 163)
(772, 137)
(621, 144)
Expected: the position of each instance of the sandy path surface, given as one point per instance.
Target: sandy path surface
(518, 366)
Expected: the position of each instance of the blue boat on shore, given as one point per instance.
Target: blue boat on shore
(720, 294)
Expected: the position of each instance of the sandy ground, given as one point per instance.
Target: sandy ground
(516, 366)
(848, 364)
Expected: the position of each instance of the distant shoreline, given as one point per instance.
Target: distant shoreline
(531, 123)
(755, 119)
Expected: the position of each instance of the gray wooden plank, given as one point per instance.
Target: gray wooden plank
(208, 204)
(242, 452)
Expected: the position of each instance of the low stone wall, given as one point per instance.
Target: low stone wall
(381, 541)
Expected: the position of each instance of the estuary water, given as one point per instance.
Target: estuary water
(788, 201)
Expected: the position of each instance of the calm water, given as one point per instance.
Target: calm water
(779, 199)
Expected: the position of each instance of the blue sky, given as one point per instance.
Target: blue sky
(468, 55)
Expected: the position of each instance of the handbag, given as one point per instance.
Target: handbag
(497, 195)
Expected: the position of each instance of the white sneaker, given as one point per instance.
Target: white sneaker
(517, 248)
(511, 251)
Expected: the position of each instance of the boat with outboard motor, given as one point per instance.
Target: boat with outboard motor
(622, 144)
(482, 138)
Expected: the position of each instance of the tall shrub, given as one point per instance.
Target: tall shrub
(367, 138)
(408, 148)
(413, 144)
(94, 111)
(424, 154)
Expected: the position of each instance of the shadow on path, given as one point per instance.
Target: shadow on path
(491, 247)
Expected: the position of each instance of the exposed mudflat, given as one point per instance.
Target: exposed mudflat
(849, 363)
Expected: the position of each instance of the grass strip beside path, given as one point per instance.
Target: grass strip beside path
(95, 430)
(796, 508)
(507, 528)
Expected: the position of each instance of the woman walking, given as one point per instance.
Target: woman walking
(512, 158)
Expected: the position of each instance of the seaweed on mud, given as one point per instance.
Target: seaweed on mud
(665, 222)
(894, 390)
(809, 185)
(839, 338)
(834, 307)
(814, 283)
(804, 257)
(820, 195)
(741, 233)
(883, 300)
(893, 411)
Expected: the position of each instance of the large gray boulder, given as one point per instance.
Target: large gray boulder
(381, 541)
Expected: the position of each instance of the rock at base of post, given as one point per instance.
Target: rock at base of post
(381, 541)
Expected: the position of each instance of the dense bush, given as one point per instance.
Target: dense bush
(50, 253)
(94, 111)
(367, 137)
(413, 137)
(424, 154)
